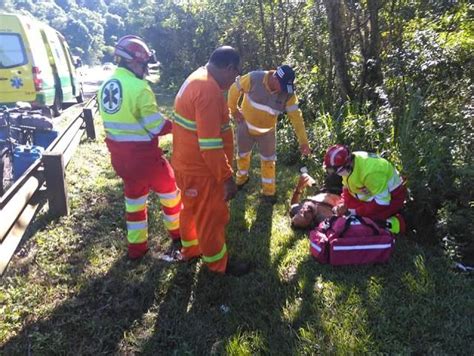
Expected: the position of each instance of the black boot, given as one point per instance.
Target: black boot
(237, 268)
(269, 199)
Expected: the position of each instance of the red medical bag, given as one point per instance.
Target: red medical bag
(351, 240)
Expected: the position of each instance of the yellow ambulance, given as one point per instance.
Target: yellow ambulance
(36, 65)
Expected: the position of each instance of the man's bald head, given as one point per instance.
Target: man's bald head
(224, 56)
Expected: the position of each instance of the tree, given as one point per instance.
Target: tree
(367, 27)
(6, 5)
(114, 28)
(336, 20)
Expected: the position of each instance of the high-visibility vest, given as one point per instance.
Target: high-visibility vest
(128, 108)
(261, 108)
(258, 99)
(372, 178)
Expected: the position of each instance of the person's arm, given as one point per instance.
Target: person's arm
(296, 118)
(303, 182)
(167, 129)
(241, 85)
(341, 208)
(296, 197)
(376, 196)
(150, 117)
(377, 189)
(208, 111)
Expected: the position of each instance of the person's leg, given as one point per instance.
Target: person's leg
(396, 221)
(244, 152)
(383, 214)
(212, 216)
(396, 224)
(136, 194)
(267, 149)
(189, 237)
(372, 209)
(397, 202)
(164, 183)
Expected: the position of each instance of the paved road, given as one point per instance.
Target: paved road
(93, 77)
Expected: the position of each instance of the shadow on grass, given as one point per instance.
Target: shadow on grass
(405, 306)
(215, 311)
(204, 310)
(150, 306)
(96, 318)
(108, 305)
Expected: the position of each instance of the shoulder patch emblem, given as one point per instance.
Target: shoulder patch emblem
(111, 96)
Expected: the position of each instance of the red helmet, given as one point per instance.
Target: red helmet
(133, 48)
(337, 156)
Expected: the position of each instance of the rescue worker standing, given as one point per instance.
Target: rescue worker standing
(132, 125)
(372, 186)
(266, 94)
(202, 158)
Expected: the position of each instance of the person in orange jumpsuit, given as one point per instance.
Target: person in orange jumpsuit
(202, 156)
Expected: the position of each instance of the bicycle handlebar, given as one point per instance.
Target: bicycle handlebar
(7, 110)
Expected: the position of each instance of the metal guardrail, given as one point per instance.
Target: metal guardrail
(45, 177)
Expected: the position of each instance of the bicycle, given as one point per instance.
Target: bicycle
(17, 127)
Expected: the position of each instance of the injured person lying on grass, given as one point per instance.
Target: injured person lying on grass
(309, 212)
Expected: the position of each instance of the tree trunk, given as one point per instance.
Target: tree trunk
(283, 40)
(336, 20)
(266, 44)
(372, 61)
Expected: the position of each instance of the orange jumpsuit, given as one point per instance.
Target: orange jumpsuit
(202, 153)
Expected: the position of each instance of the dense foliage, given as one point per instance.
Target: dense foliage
(390, 76)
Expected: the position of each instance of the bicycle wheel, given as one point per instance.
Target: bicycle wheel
(1, 176)
(6, 169)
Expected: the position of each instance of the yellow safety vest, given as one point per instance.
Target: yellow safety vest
(128, 108)
(372, 178)
(261, 108)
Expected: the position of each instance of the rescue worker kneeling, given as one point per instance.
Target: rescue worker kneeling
(372, 186)
(132, 125)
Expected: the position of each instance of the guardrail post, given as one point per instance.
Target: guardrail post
(89, 120)
(56, 189)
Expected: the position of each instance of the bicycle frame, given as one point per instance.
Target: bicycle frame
(16, 135)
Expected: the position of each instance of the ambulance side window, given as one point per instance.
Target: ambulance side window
(12, 51)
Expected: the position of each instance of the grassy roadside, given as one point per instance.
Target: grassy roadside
(70, 290)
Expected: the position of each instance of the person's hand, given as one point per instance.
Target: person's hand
(238, 117)
(167, 127)
(230, 189)
(305, 150)
(303, 182)
(339, 209)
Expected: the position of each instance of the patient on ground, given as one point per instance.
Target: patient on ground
(309, 212)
